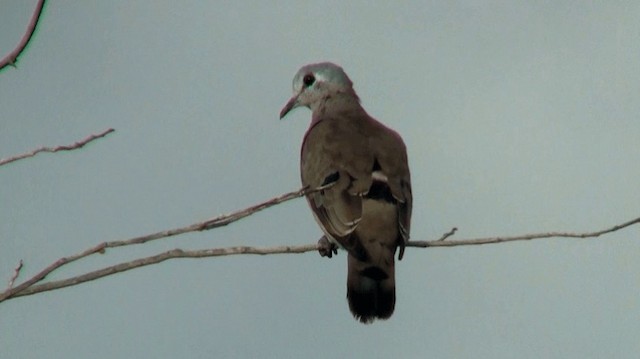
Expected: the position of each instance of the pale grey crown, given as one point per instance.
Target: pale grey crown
(323, 72)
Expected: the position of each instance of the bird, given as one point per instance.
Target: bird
(356, 173)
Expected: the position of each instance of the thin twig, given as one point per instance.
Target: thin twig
(448, 234)
(16, 273)
(175, 253)
(492, 240)
(12, 57)
(212, 223)
(74, 146)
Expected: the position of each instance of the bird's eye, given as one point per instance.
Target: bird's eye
(308, 80)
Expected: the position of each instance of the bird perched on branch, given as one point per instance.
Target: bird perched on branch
(365, 204)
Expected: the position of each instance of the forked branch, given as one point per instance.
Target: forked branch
(31, 286)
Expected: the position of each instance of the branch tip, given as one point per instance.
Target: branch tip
(74, 146)
(16, 273)
(448, 234)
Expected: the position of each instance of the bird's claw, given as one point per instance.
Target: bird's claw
(326, 248)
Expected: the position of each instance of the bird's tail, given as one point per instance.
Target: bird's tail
(371, 290)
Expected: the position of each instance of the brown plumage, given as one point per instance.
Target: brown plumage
(366, 205)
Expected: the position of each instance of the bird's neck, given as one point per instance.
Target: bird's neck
(337, 104)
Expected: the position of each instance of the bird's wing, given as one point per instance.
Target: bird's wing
(392, 162)
(334, 155)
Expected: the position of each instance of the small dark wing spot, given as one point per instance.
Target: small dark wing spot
(331, 178)
(376, 165)
(380, 191)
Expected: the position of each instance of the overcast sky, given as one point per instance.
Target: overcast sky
(518, 116)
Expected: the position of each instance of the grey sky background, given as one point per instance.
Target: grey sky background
(518, 117)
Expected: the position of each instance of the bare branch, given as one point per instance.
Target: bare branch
(525, 237)
(12, 57)
(215, 222)
(16, 273)
(28, 287)
(175, 253)
(74, 146)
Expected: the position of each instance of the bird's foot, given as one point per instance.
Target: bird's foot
(326, 248)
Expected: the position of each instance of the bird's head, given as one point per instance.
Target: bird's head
(314, 83)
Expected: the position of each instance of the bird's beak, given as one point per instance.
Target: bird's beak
(293, 103)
